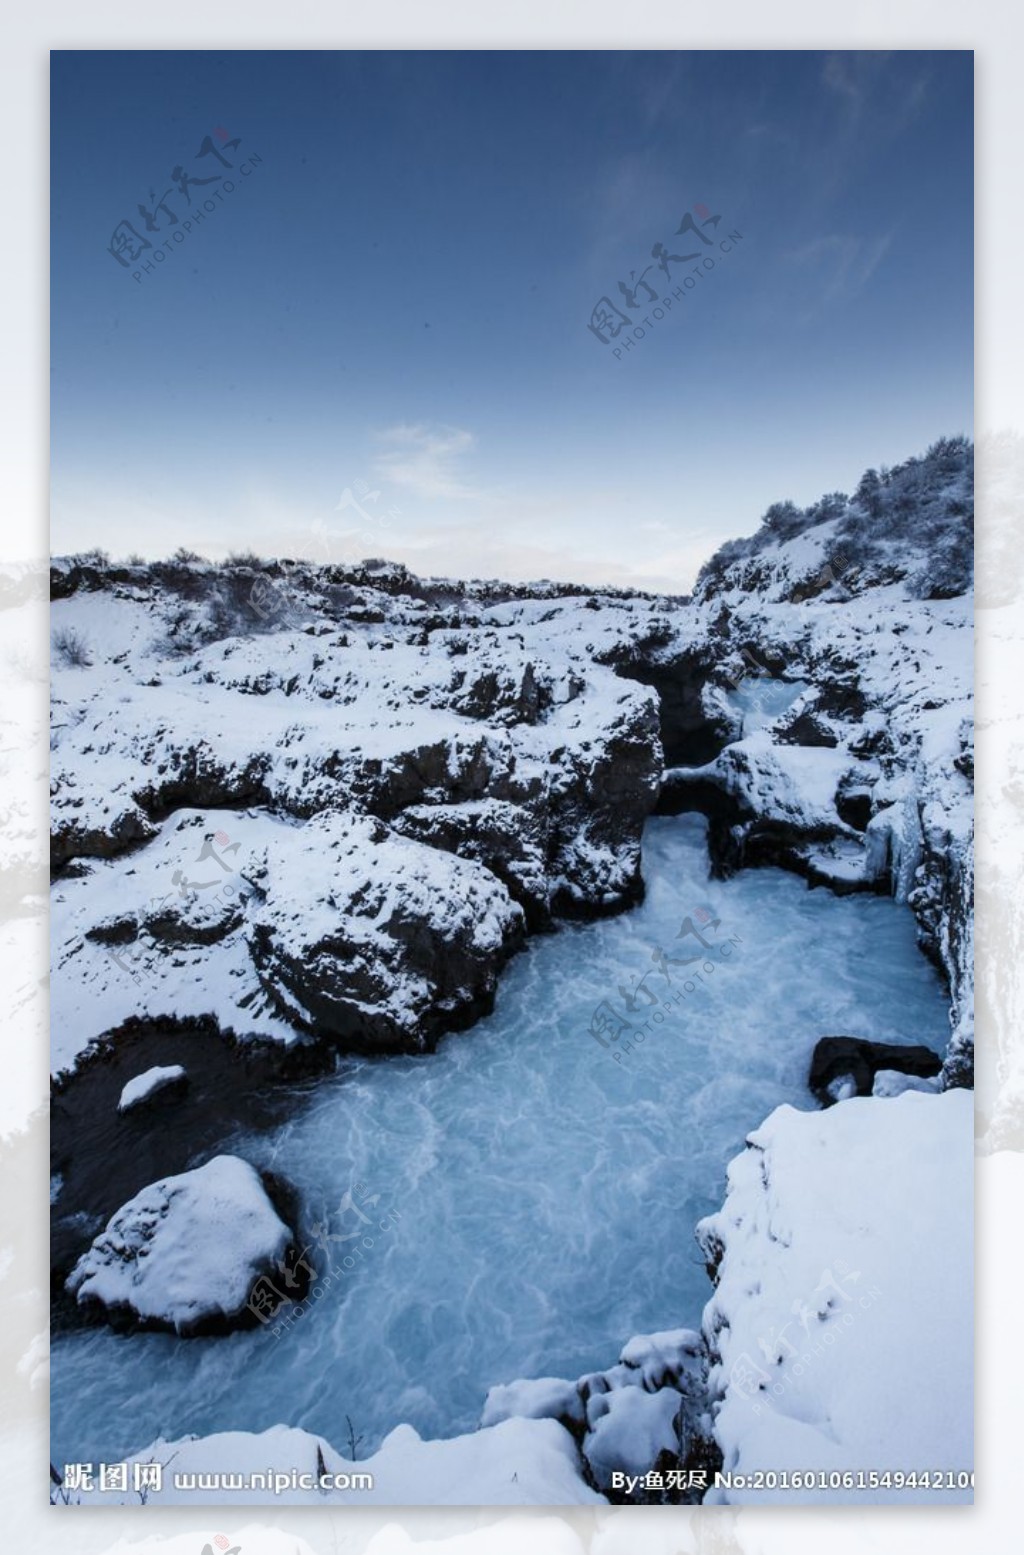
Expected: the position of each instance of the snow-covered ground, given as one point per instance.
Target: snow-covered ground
(517, 1463)
(840, 1329)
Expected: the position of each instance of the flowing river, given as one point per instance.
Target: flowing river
(522, 1201)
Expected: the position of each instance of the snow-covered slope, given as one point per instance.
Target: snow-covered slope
(912, 525)
(516, 1463)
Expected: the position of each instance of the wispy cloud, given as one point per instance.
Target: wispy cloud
(850, 76)
(425, 459)
(841, 264)
(873, 82)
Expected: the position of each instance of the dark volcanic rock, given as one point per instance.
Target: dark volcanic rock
(805, 729)
(836, 1057)
(509, 840)
(691, 732)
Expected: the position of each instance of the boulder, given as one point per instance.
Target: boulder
(847, 1066)
(185, 1253)
(374, 941)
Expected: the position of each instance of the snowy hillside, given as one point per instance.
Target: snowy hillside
(912, 525)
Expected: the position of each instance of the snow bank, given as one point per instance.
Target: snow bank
(841, 1327)
(644, 1414)
(535, 1398)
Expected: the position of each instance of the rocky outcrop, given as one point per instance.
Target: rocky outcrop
(373, 941)
(476, 764)
(508, 840)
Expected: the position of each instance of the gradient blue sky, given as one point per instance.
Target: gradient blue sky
(396, 300)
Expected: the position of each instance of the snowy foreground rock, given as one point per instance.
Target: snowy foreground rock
(516, 1463)
(645, 1413)
(840, 1332)
(184, 1253)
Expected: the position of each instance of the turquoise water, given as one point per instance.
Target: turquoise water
(529, 1200)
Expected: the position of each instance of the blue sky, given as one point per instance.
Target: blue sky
(393, 300)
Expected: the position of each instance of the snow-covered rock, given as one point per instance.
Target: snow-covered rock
(157, 1081)
(643, 1415)
(534, 1398)
(363, 935)
(209, 764)
(629, 1430)
(848, 1066)
(186, 1252)
(662, 1358)
(840, 1328)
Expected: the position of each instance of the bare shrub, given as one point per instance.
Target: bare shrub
(70, 648)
